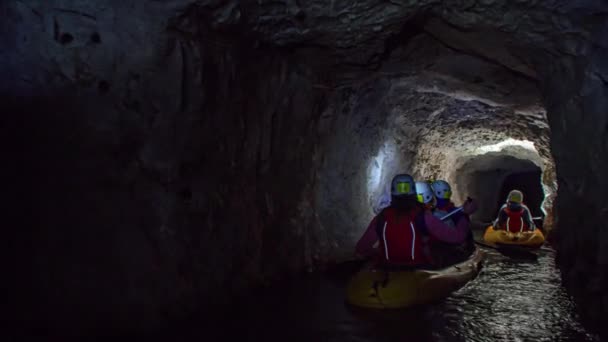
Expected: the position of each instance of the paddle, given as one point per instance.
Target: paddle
(459, 209)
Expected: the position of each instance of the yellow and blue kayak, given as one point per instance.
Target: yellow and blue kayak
(499, 237)
(379, 289)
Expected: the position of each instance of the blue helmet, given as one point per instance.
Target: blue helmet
(403, 184)
(442, 189)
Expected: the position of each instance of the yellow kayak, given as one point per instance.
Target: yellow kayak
(373, 288)
(533, 239)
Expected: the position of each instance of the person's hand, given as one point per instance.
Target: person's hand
(469, 207)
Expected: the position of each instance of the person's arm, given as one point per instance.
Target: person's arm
(528, 218)
(470, 207)
(500, 221)
(443, 232)
(365, 246)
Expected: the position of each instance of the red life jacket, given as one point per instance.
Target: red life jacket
(515, 220)
(403, 238)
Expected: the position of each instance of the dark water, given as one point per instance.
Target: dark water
(510, 300)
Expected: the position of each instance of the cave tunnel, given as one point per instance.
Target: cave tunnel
(529, 183)
(490, 177)
(188, 164)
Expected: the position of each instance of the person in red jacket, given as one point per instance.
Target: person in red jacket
(449, 254)
(514, 216)
(403, 229)
(443, 202)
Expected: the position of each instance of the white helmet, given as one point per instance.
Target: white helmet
(442, 189)
(424, 193)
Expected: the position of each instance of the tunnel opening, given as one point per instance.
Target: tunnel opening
(489, 177)
(529, 182)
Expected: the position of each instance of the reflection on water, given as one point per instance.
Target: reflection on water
(510, 300)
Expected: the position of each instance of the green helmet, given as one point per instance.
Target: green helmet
(403, 184)
(515, 196)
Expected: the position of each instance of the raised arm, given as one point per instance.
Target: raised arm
(445, 233)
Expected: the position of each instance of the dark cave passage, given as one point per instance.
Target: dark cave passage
(489, 178)
(168, 165)
(529, 182)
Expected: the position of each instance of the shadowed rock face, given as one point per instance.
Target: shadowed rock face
(170, 154)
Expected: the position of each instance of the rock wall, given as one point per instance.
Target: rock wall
(160, 169)
(578, 104)
(361, 154)
(168, 154)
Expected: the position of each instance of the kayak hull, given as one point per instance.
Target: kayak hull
(378, 289)
(525, 239)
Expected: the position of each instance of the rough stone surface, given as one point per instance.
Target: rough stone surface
(422, 113)
(168, 188)
(171, 153)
